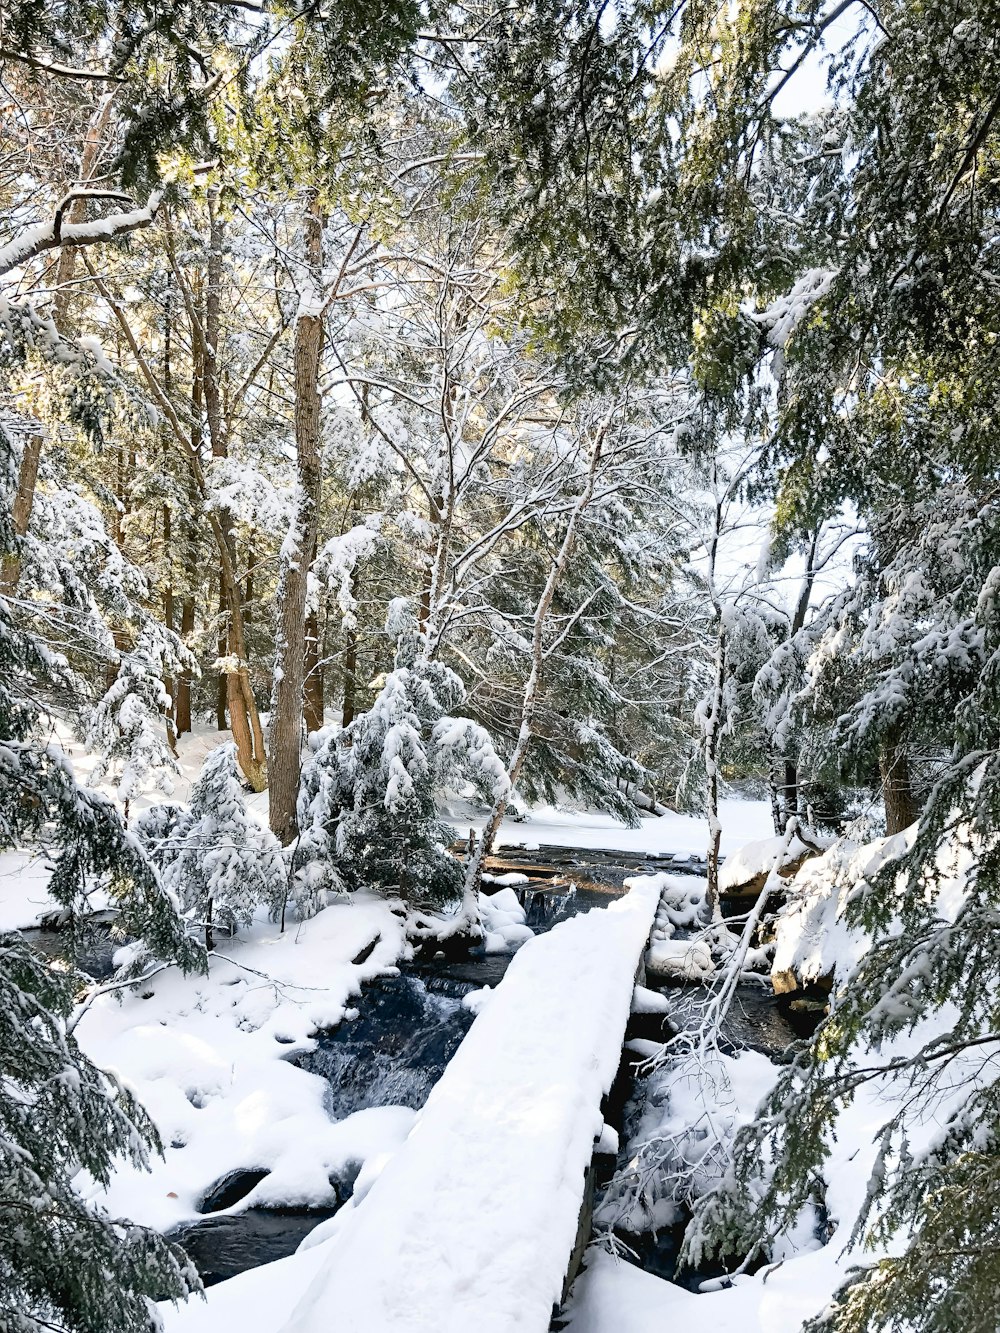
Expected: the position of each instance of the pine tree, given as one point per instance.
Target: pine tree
(128, 726)
(220, 864)
(64, 1263)
(368, 803)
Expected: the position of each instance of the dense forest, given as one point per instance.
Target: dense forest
(415, 417)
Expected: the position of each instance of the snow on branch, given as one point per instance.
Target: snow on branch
(51, 235)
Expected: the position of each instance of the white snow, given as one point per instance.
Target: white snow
(470, 1225)
(756, 858)
(811, 937)
(680, 960)
(208, 1058)
(663, 835)
(649, 1001)
(614, 1296)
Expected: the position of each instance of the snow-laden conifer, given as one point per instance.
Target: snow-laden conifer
(368, 805)
(221, 864)
(65, 1263)
(128, 729)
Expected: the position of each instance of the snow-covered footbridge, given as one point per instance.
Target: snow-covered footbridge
(471, 1225)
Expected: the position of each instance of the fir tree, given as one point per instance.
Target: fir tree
(220, 863)
(64, 1263)
(368, 803)
(128, 726)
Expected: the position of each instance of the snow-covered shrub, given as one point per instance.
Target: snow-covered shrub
(219, 862)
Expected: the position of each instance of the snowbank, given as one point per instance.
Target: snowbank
(614, 1296)
(812, 940)
(669, 834)
(207, 1057)
(503, 920)
(470, 1225)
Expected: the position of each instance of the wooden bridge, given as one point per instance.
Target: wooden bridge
(472, 1224)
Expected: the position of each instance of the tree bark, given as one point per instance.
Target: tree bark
(314, 685)
(182, 708)
(24, 499)
(285, 753)
(350, 676)
(901, 808)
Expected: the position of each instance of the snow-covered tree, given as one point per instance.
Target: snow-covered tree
(65, 1263)
(128, 726)
(219, 862)
(368, 806)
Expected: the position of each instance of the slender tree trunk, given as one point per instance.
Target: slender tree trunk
(168, 620)
(791, 790)
(27, 476)
(350, 676)
(243, 715)
(777, 813)
(901, 808)
(713, 730)
(223, 648)
(24, 499)
(182, 710)
(314, 691)
(285, 754)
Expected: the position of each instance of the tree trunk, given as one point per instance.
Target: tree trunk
(182, 709)
(168, 620)
(901, 808)
(24, 499)
(285, 754)
(713, 728)
(222, 646)
(314, 691)
(350, 676)
(791, 790)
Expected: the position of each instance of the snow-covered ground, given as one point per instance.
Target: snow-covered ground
(615, 1296)
(669, 834)
(469, 1225)
(208, 1057)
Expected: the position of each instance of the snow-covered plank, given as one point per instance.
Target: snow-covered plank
(470, 1226)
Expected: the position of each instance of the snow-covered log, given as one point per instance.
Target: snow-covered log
(472, 1222)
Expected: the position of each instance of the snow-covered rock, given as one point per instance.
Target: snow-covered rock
(679, 960)
(745, 869)
(813, 943)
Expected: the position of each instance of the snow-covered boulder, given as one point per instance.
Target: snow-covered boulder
(503, 919)
(745, 870)
(813, 943)
(679, 960)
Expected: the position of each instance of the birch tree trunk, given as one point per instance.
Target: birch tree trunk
(286, 712)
